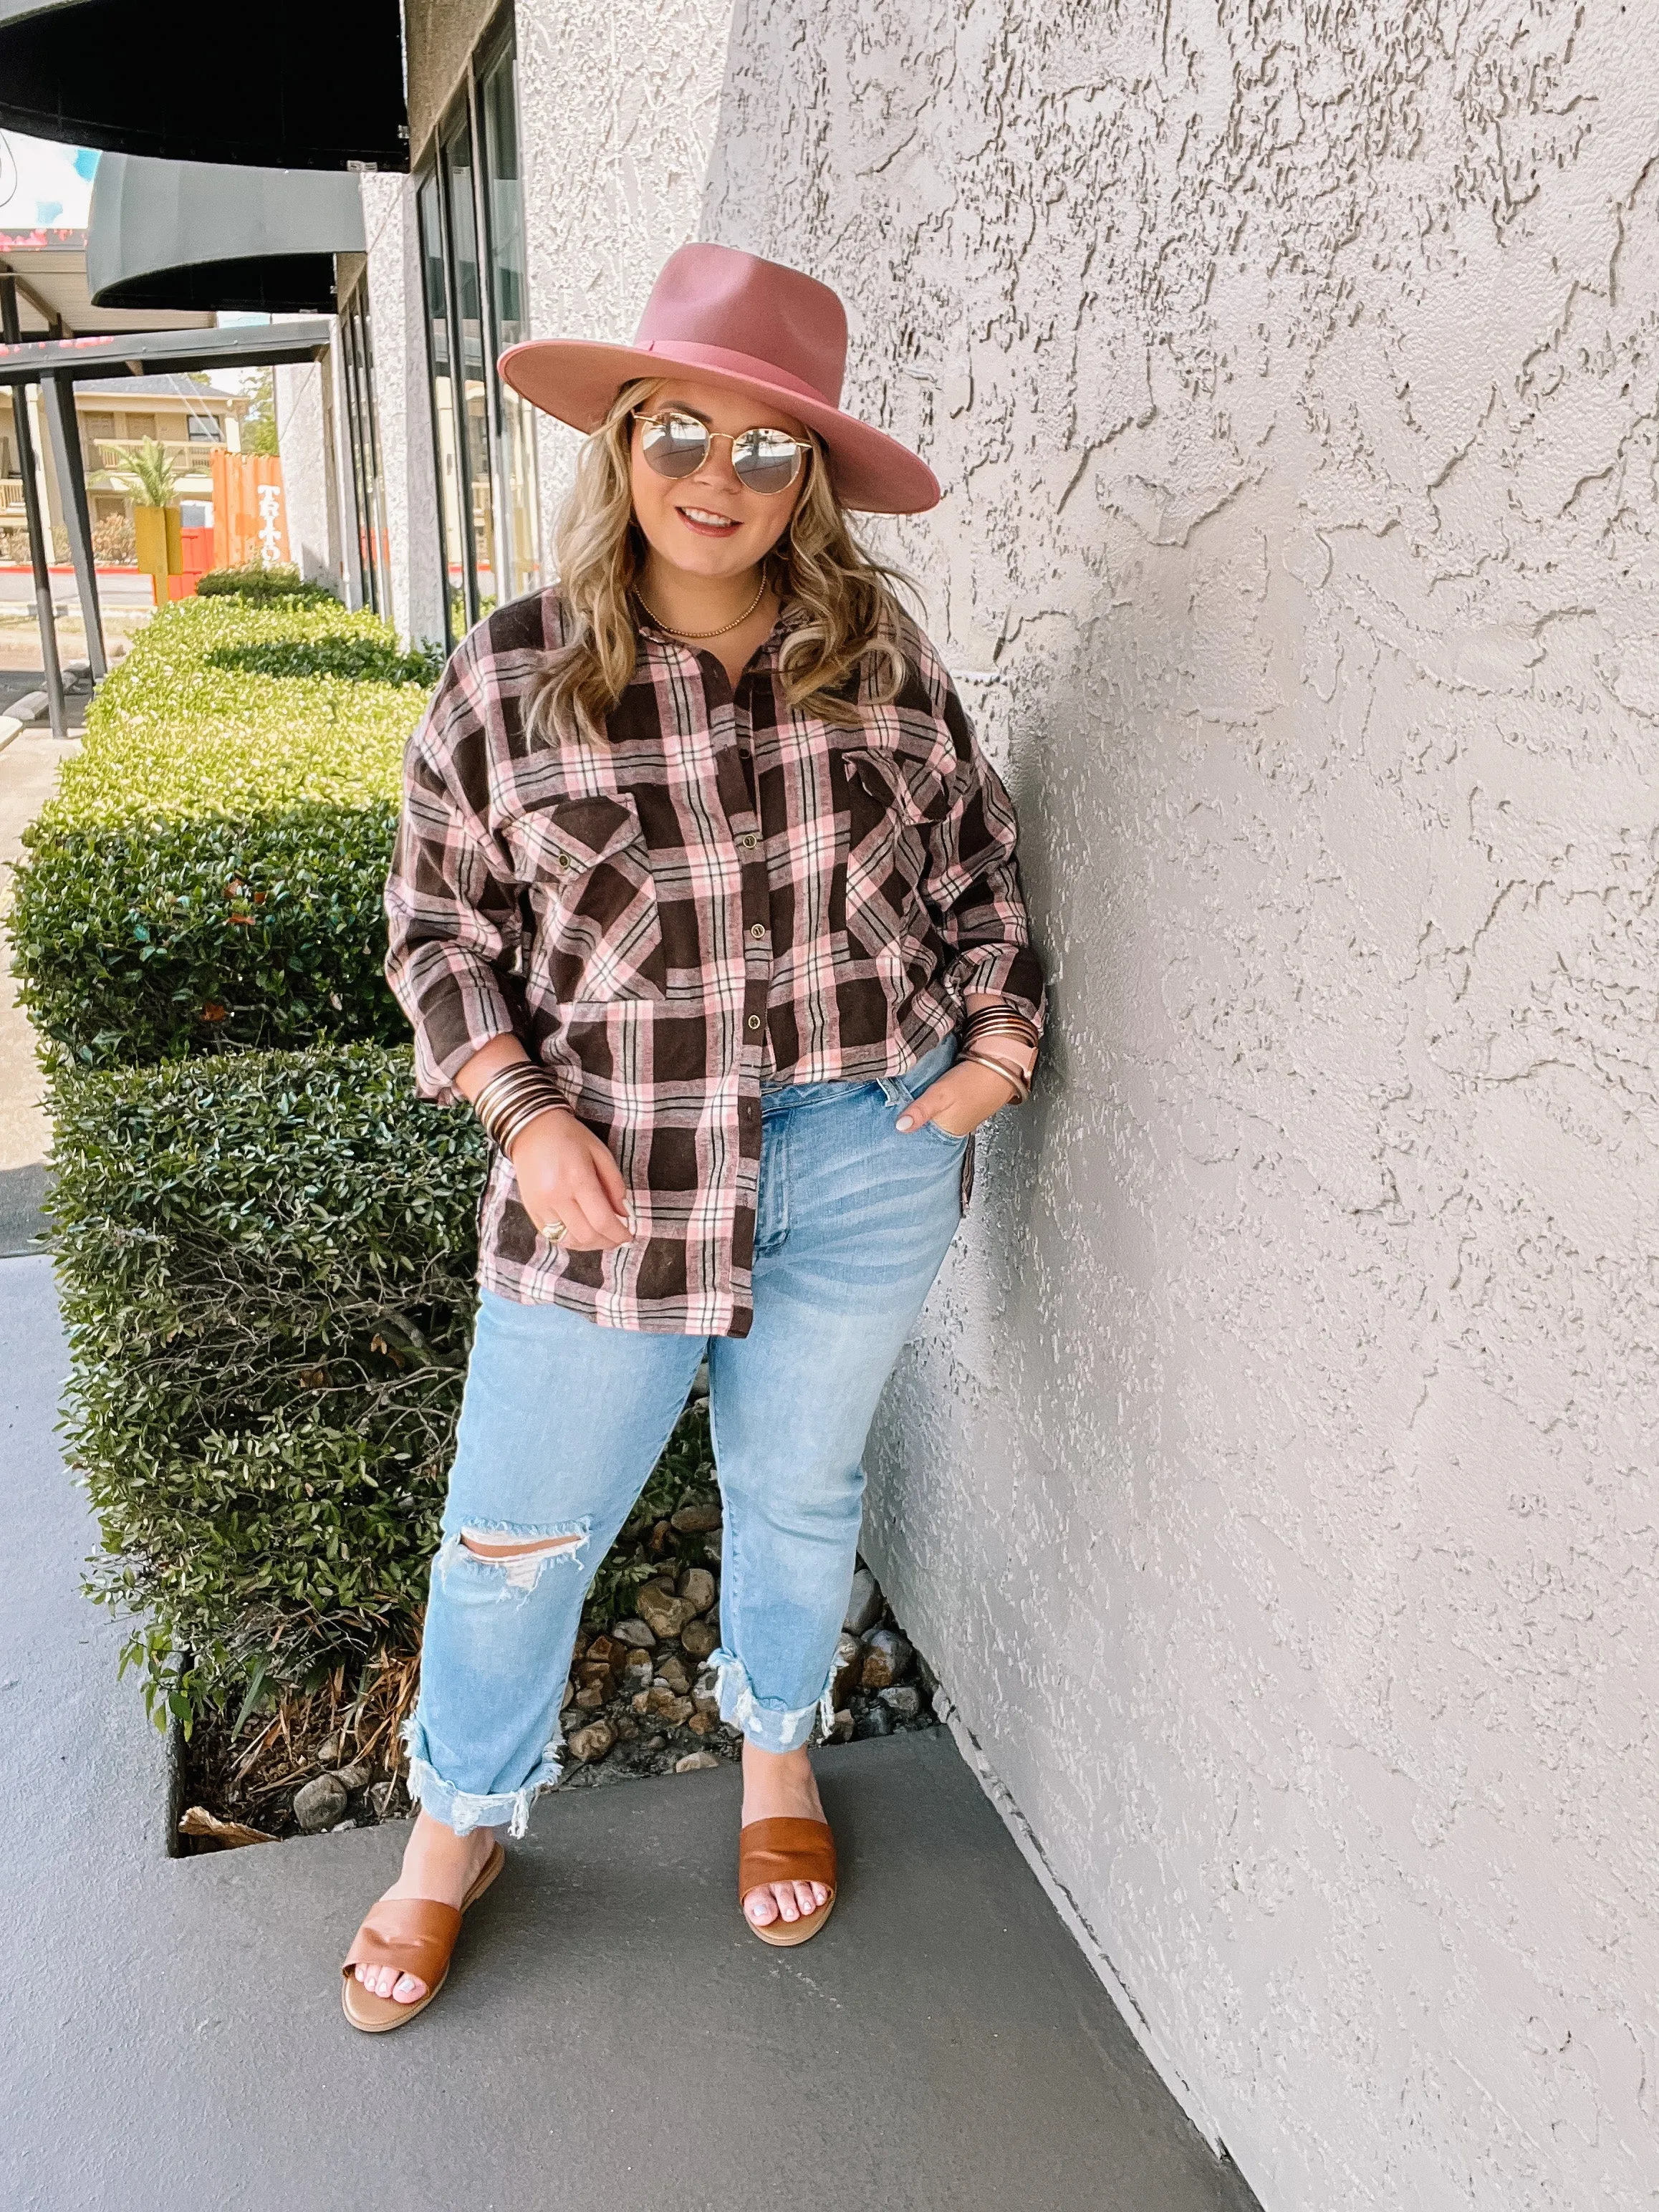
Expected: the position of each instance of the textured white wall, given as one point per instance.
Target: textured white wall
(403, 404)
(618, 110)
(1271, 1482)
(308, 489)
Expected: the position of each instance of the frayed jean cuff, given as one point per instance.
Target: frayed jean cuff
(764, 1722)
(463, 1810)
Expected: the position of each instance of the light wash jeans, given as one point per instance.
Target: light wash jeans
(563, 1421)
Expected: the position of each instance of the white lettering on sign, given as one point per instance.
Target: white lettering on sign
(271, 513)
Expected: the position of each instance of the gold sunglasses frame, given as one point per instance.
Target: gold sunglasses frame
(803, 451)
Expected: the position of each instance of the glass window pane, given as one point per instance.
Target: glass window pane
(381, 556)
(516, 465)
(456, 566)
(362, 444)
(472, 364)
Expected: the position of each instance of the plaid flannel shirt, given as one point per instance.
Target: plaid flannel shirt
(729, 892)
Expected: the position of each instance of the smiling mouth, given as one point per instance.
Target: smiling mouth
(706, 522)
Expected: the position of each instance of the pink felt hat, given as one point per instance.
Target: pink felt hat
(768, 331)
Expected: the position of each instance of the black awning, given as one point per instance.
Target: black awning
(312, 84)
(184, 234)
(276, 284)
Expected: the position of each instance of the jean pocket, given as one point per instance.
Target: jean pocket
(927, 1070)
(908, 1087)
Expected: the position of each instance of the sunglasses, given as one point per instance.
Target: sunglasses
(763, 460)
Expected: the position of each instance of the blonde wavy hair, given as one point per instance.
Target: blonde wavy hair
(852, 626)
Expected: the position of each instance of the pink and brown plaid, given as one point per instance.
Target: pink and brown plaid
(728, 893)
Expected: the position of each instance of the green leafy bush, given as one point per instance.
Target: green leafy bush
(174, 731)
(267, 1265)
(255, 582)
(267, 1258)
(364, 659)
(193, 936)
(210, 873)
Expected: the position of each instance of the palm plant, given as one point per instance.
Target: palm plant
(150, 471)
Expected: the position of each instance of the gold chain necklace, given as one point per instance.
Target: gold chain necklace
(736, 623)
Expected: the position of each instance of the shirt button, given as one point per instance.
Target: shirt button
(748, 837)
(757, 929)
(753, 1021)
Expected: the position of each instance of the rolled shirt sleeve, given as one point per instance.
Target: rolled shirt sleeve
(972, 887)
(451, 905)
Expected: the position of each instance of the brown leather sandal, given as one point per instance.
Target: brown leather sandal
(786, 1850)
(417, 1934)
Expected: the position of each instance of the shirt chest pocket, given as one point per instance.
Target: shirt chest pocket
(890, 807)
(587, 873)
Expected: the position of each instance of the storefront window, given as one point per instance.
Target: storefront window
(433, 263)
(362, 436)
(516, 460)
(477, 368)
(473, 241)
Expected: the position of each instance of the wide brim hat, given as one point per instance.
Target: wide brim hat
(768, 331)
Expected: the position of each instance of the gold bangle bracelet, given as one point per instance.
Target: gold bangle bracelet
(1020, 1087)
(515, 1128)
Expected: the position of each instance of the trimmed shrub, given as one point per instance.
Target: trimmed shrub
(363, 659)
(210, 873)
(267, 1269)
(266, 1263)
(194, 936)
(254, 583)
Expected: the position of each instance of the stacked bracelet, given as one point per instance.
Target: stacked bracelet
(1013, 1077)
(512, 1098)
(987, 1023)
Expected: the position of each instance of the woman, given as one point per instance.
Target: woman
(699, 870)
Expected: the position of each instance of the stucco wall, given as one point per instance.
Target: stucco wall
(618, 112)
(304, 418)
(402, 405)
(1271, 1481)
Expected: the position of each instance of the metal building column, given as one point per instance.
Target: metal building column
(58, 392)
(39, 548)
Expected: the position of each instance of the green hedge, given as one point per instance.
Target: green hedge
(267, 1269)
(210, 873)
(267, 1265)
(255, 582)
(266, 1257)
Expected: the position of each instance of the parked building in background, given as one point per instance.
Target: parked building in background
(189, 421)
(188, 418)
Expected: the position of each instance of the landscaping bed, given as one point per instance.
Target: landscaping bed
(640, 1700)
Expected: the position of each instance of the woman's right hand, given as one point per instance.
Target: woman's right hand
(565, 1174)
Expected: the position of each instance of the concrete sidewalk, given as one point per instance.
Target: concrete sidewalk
(28, 775)
(611, 2040)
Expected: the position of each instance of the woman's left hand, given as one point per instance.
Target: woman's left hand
(963, 1097)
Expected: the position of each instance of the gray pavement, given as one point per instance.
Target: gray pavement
(610, 2040)
(16, 683)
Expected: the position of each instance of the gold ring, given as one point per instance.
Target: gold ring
(554, 1231)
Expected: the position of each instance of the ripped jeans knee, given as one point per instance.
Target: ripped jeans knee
(505, 1559)
(523, 1559)
(502, 1613)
